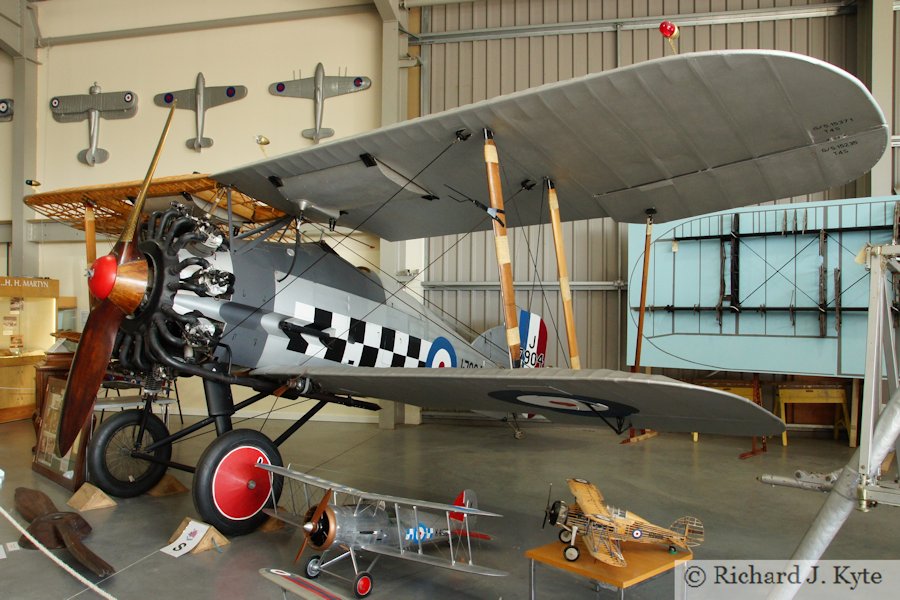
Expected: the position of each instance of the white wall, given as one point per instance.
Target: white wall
(6, 137)
(253, 56)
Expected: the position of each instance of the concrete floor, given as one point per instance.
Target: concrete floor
(661, 479)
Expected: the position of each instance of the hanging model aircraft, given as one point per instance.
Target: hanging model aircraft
(6, 109)
(604, 528)
(382, 525)
(198, 99)
(317, 88)
(93, 106)
(182, 295)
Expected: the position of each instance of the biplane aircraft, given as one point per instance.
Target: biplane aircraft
(603, 528)
(184, 294)
(93, 106)
(362, 522)
(317, 88)
(198, 99)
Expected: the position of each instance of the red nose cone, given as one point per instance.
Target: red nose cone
(103, 276)
(668, 29)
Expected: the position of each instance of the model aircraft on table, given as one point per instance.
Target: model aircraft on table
(198, 99)
(317, 88)
(603, 528)
(382, 525)
(93, 106)
(182, 294)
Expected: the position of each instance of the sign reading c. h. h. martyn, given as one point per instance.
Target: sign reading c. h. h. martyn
(34, 287)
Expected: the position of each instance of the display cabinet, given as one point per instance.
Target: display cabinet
(27, 323)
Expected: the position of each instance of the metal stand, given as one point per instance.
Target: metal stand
(860, 483)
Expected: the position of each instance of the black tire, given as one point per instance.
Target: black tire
(110, 464)
(363, 585)
(234, 504)
(312, 569)
(571, 553)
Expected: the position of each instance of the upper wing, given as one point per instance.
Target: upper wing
(185, 98)
(224, 93)
(686, 134)
(563, 395)
(338, 488)
(334, 85)
(295, 88)
(111, 105)
(588, 498)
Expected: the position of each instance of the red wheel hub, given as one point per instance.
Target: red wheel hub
(102, 276)
(364, 585)
(240, 489)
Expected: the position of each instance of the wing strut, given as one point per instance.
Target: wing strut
(501, 241)
(563, 273)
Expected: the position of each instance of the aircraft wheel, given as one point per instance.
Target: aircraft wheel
(230, 492)
(312, 567)
(519, 434)
(571, 553)
(364, 585)
(673, 550)
(565, 536)
(110, 464)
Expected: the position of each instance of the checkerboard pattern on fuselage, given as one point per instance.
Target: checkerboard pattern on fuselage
(355, 342)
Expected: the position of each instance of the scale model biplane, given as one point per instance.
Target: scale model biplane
(183, 294)
(362, 522)
(603, 528)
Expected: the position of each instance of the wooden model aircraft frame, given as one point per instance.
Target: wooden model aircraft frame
(603, 528)
(356, 522)
(182, 295)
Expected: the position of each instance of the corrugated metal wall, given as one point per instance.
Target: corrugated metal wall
(461, 72)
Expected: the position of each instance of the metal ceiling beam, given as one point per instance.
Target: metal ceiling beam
(829, 9)
(294, 15)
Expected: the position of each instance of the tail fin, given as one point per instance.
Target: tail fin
(199, 143)
(532, 339)
(317, 134)
(468, 499)
(692, 530)
(93, 158)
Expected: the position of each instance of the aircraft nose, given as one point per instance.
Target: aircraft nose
(102, 276)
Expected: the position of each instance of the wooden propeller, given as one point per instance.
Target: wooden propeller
(119, 280)
(311, 526)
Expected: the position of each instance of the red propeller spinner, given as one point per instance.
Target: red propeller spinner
(119, 280)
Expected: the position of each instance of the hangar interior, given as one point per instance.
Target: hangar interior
(423, 57)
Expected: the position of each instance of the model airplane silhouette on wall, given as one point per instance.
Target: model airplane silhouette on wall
(94, 106)
(317, 88)
(183, 295)
(198, 99)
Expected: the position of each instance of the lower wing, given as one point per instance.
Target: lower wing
(616, 398)
(604, 549)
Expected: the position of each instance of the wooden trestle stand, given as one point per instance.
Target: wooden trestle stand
(645, 434)
(645, 561)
